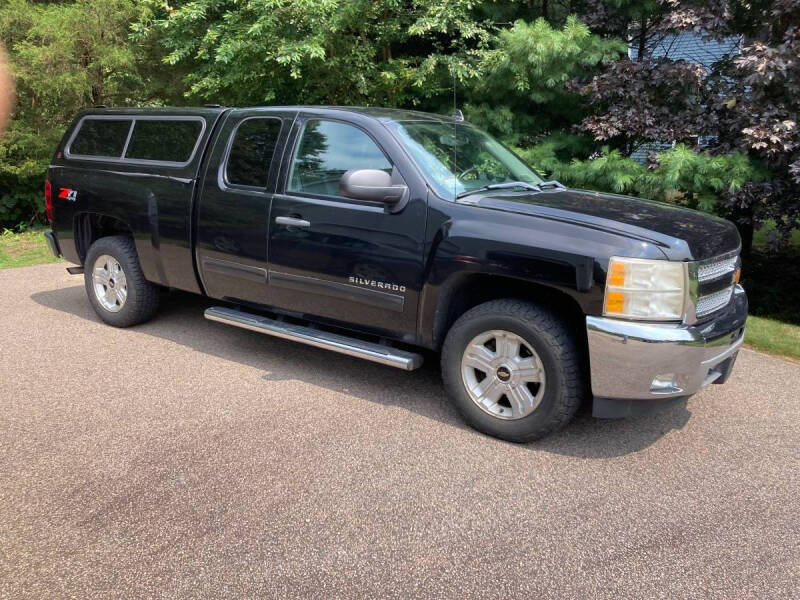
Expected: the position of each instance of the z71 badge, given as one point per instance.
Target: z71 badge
(68, 194)
(381, 285)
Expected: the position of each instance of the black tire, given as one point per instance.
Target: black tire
(555, 345)
(141, 303)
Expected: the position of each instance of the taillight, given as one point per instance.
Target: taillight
(48, 200)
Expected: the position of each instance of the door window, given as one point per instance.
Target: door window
(326, 150)
(251, 152)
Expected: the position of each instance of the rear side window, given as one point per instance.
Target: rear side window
(101, 137)
(251, 152)
(165, 140)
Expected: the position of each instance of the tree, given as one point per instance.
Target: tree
(545, 74)
(522, 90)
(509, 73)
(388, 52)
(756, 102)
(650, 100)
(748, 102)
(64, 57)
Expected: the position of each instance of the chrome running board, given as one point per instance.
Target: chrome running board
(379, 353)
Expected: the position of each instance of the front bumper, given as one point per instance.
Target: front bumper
(638, 362)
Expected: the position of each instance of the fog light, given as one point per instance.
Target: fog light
(665, 384)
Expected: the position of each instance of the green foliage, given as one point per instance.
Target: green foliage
(700, 178)
(515, 66)
(537, 60)
(679, 175)
(522, 89)
(65, 57)
(24, 154)
(609, 171)
(387, 52)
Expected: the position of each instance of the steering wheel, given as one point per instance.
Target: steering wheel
(467, 171)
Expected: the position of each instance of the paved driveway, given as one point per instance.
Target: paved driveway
(187, 459)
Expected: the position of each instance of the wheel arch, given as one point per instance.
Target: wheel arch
(88, 227)
(464, 291)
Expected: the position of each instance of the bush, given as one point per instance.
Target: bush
(679, 175)
(24, 156)
(771, 281)
(65, 56)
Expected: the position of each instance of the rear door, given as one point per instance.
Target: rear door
(232, 212)
(348, 261)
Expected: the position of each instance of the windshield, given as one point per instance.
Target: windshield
(458, 158)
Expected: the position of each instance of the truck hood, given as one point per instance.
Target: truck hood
(682, 233)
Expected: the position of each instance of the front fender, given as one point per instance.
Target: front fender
(470, 244)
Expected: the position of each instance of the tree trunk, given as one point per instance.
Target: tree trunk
(743, 218)
(642, 49)
(746, 230)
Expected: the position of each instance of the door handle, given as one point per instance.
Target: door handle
(292, 222)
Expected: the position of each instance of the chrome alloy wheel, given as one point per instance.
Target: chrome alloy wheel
(109, 283)
(503, 375)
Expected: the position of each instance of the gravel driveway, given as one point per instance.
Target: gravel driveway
(187, 459)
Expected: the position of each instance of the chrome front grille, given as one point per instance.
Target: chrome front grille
(716, 268)
(713, 302)
(714, 284)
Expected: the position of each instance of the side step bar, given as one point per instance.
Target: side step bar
(385, 355)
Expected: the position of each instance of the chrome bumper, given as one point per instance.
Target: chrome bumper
(652, 361)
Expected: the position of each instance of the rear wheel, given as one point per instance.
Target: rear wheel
(115, 284)
(512, 370)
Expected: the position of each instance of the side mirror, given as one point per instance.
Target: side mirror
(371, 184)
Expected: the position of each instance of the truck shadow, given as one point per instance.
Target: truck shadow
(180, 320)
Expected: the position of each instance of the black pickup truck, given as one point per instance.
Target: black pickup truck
(379, 232)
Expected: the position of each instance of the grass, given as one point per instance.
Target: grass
(24, 249)
(774, 337)
(772, 281)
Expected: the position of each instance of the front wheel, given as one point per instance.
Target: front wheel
(512, 369)
(115, 284)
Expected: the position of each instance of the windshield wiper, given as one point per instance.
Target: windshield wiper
(502, 186)
(552, 184)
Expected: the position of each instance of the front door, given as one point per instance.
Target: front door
(345, 260)
(233, 209)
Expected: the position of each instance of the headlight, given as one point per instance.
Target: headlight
(639, 288)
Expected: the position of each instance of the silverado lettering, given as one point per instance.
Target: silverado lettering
(378, 284)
